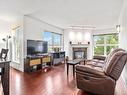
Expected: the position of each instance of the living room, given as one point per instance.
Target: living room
(63, 33)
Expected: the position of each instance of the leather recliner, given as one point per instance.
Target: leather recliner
(101, 80)
(100, 61)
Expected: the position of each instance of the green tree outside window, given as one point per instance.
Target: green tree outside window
(105, 43)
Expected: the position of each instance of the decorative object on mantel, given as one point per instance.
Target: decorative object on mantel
(79, 43)
(118, 28)
(6, 40)
(70, 42)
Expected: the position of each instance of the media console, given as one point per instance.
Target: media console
(58, 57)
(36, 62)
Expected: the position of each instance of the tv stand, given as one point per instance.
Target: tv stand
(35, 62)
(58, 57)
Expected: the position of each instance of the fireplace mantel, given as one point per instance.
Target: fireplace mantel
(80, 45)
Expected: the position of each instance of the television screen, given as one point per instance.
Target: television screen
(35, 47)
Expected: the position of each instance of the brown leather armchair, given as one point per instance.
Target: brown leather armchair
(99, 60)
(101, 80)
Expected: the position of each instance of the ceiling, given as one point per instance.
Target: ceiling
(65, 13)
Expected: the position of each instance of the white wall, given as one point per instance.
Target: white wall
(30, 29)
(123, 33)
(19, 65)
(76, 36)
(123, 23)
(5, 29)
(84, 36)
(34, 28)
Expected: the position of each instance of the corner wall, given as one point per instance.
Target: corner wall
(123, 34)
(83, 38)
(34, 29)
(6, 27)
(75, 35)
(30, 29)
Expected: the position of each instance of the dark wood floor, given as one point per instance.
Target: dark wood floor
(52, 81)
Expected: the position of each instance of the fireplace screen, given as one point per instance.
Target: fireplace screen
(79, 53)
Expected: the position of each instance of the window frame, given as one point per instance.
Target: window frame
(53, 46)
(105, 44)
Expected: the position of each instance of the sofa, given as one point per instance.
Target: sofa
(100, 76)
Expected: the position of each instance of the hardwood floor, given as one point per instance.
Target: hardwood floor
(53, 81)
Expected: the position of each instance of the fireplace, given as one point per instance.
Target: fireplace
(79, 52)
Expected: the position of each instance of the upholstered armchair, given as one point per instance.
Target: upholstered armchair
(99, 60)
(102, 80)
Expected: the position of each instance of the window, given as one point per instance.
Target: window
(48, 38)
(57, 40)
(99, 50)
(103, 44)
(54, 41)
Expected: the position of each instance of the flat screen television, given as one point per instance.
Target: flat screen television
(36, 47)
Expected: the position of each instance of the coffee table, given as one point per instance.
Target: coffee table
(73, 63)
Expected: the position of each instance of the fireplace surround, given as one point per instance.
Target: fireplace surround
(79, 52)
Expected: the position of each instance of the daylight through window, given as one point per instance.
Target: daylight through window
(103, 44)
(54, 41)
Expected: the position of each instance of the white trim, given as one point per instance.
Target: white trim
(106, 44)
(53, 36)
